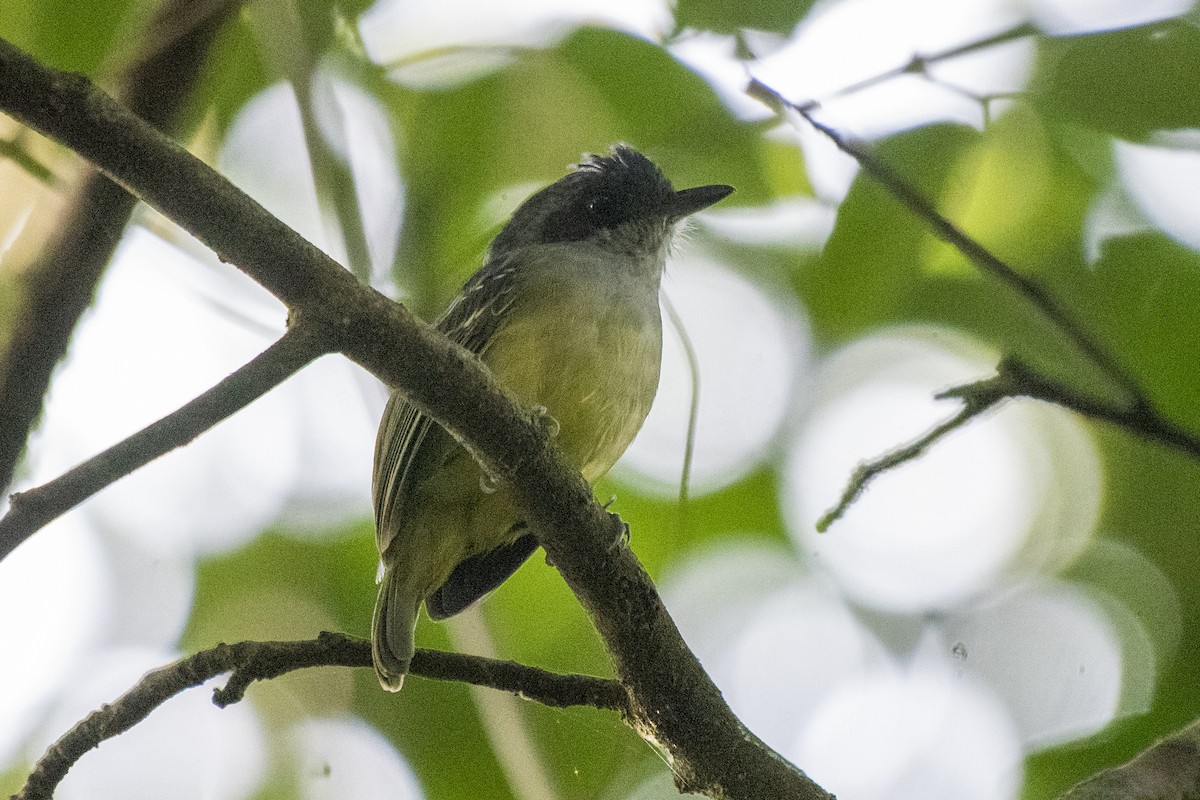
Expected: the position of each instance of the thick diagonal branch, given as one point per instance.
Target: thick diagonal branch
(673, 702)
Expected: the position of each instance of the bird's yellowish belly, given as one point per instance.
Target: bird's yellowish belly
(593, 364)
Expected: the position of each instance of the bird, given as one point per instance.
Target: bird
(565, 314)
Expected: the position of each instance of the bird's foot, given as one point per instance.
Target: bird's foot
(548, 423)
(622, 538)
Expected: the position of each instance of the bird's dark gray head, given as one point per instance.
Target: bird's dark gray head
(620, 200)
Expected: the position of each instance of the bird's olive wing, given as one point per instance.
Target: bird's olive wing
(409, 447)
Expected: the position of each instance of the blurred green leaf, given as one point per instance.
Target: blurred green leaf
(663, 532)
(1143, 295)
(1126, 82)
(228, 81)
(73, 36)
(1014, 195)
(659, 105)
(779, 16)
(13, 778)
(871, 271)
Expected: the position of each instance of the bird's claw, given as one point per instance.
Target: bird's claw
(549, 423)
(621, 540)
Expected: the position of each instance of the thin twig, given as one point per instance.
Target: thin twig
(976, 398)
(1014, 378)
(33, 509)
(689, 447)
(1136, 414)
(334, 178)
(1139, 420)
(1037, 295)
(919, 64)
(252, 661)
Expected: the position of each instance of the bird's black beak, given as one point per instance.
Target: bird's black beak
(689, 201)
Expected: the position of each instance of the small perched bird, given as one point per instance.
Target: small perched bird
(565, 315)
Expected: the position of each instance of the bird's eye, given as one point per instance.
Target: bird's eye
(586, 217)
(606, 210)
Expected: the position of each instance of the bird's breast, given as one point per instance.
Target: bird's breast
(589, 350)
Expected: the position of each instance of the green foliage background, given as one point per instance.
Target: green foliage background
(1022, 187)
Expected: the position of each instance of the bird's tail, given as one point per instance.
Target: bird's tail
(392, 629)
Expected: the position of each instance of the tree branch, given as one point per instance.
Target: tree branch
(1014, 378)
(976, 398)
(54, 291)
(251, 661)
(673, 702)
(33, 509)
(986, 261)
(1169, 770)
(1136, 414)
(1140, 420)
(919, 64)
